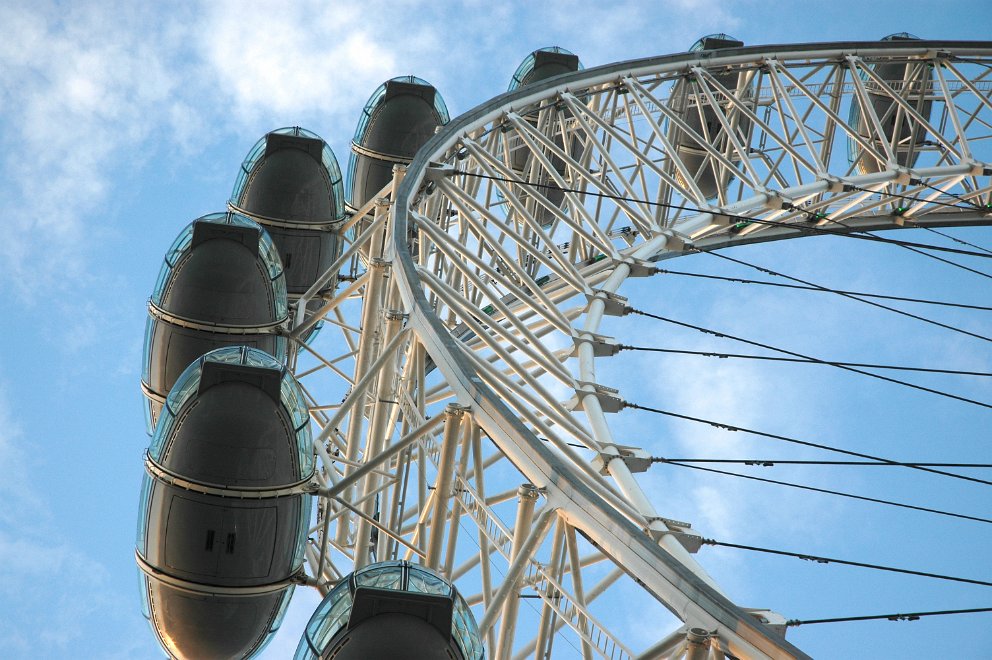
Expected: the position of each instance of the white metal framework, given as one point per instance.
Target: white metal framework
(459, 419)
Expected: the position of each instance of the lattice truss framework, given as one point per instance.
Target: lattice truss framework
(457, 413)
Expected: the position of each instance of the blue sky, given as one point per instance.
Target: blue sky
(120, 123)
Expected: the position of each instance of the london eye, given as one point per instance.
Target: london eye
(449, 404)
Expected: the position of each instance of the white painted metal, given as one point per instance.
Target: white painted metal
(493, 311)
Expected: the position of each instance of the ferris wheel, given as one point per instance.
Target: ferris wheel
(462, 429)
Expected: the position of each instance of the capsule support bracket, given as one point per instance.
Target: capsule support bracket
(605, 395)
(636, 459)
(613, 303)
(602, 346)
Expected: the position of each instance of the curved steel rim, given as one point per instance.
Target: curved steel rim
(643, 558)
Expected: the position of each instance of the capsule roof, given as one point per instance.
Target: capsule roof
(286, 390)
(382, 93)
(399, 117)
(715, 41)
(198, 231)
(335, 610)
(901, 36)
(263, 147)
(544, 63)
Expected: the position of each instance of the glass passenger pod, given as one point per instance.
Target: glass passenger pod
(913, 82)
(399, 117)
(291, 184)
(388, 610)
(693, 107)
(222, 284)
(540, 65)
(544, 63)
(215, 569)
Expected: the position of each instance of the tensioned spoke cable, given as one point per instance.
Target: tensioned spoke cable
(802, 287)
(949, 262)
(768, 271)
(949, 237)
(805, 229)
(985, 208)
(772, 462)
(910, 198)
(838, 493)
(916, 247)
(846, 562)
(920, 182)
(922, 388)
(958, 58)
(774, 358)
(980, 207)
(868, 236)
(909, 616)
(804, 443)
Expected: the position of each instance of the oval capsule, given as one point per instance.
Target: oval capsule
(905, 137)
(540, 65)
(290, 183)
(399, 117)
(390, 610)
(706, 132)
(222, 284)
(225, 505)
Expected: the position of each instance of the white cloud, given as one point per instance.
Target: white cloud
(742, 393)
(73, 104)
(277, 59)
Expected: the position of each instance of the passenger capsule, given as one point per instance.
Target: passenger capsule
(540, 65)
(400, 116)
(392, 610)
(694, 108)
(290, 183)
(221, 284)
(911, 81)
(224, 507)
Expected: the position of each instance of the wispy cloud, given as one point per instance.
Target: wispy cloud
(72, 104)
(279, 59)
(741, 393)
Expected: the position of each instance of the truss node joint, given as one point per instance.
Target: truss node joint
(691, 542)
(636, 459)
(980, 169)
(676, 242)
(636, 267)
(608, 401)
(770, 618)
(602, 346)
(436, 172)
(453, 410)
(613, 303)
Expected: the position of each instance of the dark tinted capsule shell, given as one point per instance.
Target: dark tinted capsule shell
(693, 107)
(221, 285)
(223, 512)
(386, 611)
(540, 65)
(290, 183)
(399, 117)
(912, 81)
